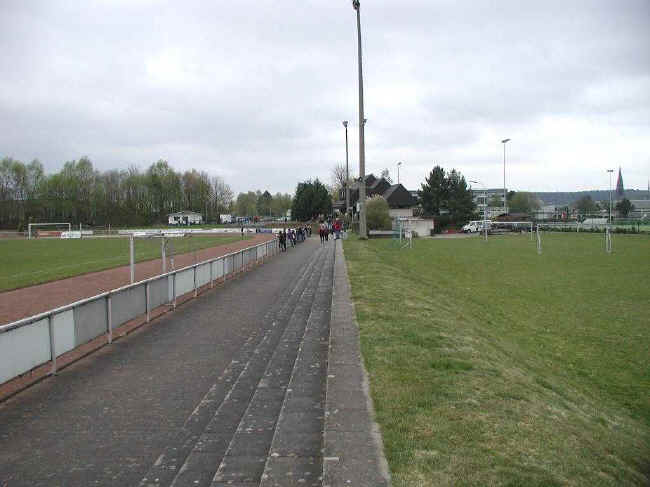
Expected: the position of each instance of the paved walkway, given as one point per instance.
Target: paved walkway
(228, 390)
(28, 301)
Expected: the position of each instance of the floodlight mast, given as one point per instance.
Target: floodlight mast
(362, 122)
(398, 165)
(610, 171)
(504, 142)
(347, 174)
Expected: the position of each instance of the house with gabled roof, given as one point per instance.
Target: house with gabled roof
(401, 203)
(397, 196)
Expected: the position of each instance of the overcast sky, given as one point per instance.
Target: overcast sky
(255, 90)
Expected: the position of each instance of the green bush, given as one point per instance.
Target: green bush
(377, 215)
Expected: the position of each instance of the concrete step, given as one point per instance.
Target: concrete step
(222, 406)
(296, 452)
(353, 450)
(247, 453)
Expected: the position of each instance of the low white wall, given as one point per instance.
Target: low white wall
(27, 343)
(23, 349)
(422, 226)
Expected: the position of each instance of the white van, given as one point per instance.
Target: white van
(477, 226)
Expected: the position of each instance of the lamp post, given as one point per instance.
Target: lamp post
(398, 165)
(485, 207)
(362, 123)
(347, 174)
(504, 142)
(610, 171)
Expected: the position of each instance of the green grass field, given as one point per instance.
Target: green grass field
(492, 365)
(28, 262)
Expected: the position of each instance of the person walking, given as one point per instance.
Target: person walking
(281, 238)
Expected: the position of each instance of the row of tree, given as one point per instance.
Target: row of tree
(262, 204)
(79, 193)
(587, 206)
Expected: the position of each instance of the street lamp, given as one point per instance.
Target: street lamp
(347, 175)
(504, 142)
(485, 207)
(398, 165)
(610, 171)
(362, 123)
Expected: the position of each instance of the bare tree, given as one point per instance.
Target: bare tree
(223, 194)
(338, 177)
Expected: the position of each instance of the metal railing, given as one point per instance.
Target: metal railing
(36, 340)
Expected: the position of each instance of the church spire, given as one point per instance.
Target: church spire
(620, 191)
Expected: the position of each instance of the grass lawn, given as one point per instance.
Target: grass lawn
(492, 365)
(28, 262)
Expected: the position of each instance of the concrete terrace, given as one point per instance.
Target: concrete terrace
(255, 383)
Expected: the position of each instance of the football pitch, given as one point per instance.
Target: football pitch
(28, 262)
(492, 365)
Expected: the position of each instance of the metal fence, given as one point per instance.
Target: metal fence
(39, 339)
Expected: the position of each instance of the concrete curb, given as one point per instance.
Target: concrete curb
(353, 449)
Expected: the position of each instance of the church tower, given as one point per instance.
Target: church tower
(620, 191)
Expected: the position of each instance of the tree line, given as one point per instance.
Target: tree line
(262, 204)
(79, 193)
(587, 206)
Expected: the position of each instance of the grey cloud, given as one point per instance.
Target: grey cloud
(256, 90)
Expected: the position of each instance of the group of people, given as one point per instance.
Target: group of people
(293, 235)
(328, 228)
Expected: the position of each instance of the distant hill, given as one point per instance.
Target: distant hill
(566, 198)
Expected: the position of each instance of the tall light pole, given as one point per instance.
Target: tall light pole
(347, 174)
(610, 171)
(504, 142)
(398, 165)
(362, 123)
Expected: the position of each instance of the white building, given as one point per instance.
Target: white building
(185, 218)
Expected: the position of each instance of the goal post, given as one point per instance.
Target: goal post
(403, 233)
(34, 225)
(608, 240)
(167, 248)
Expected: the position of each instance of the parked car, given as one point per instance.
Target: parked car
(477, 226)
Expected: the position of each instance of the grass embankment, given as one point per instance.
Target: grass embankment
(492, 365)
(28, 262)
